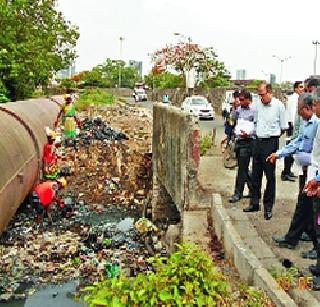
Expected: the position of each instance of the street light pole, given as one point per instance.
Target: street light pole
(315, 43)
(121, 40)
(282, 60)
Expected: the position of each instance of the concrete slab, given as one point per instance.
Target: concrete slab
(245, 229)
(258, 247)
(236, 214)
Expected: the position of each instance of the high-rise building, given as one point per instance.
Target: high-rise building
(241, 74)
(272, 79)
(137, 65)
(66, 73)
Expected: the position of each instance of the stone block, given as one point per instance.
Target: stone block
(246, 262)
(216, 199)
(263, 280)
(231, 238)
(219, 218)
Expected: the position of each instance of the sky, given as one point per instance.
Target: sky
(245, 34)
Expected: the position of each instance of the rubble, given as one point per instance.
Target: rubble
(94, 235)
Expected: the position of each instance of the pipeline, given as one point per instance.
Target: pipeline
(22, 137)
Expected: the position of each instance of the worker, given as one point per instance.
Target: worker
(49, 158)
(69, 119)
(44, 195)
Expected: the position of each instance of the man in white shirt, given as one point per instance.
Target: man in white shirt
(292, 104)
(271, 122)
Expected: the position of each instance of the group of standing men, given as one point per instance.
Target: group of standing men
(258, 128)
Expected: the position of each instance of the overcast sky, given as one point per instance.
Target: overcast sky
(245, 34)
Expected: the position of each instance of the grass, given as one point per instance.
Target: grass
(205, 143)
(93, 96)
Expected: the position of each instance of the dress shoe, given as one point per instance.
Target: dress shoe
(305, 237)
(282, 242)
(252, 208)
(310, 254)
(314, 270)
(316, 283)
(291, 174)
(287, 178)
(234, 198)
(268, 215)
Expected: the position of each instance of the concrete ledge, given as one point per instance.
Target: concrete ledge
(250, 268)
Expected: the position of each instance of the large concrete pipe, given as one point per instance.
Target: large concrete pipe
(22, 137)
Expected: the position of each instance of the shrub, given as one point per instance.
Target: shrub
(205, 143)
(187, 277)
(93, 96)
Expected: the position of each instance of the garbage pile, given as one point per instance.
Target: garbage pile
(109, 186)
(86, 247)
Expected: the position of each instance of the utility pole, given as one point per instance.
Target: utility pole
(282, 60)
(121, 40)
(315, 43)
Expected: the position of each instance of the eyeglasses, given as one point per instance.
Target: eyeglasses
(301, 86)
(263, 94)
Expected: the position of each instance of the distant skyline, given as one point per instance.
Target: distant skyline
(245, 34)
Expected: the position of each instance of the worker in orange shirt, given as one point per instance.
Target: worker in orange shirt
(50, 169)
(44, 195)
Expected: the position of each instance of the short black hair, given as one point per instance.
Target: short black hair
(246, 94)
(313, 82)
(236, 94)
(296, 84)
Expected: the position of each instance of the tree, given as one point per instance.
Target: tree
(35, 42)
(107, 75)
(164, 80)
(187, 56)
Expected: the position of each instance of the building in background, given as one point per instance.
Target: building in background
(272, 79)
(137, 65)
(66, 73)
(241, 74)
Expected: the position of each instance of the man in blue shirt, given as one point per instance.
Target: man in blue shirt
(244, 131)
(302, 147)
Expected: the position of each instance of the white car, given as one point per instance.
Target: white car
(139, 94)
(198, 106)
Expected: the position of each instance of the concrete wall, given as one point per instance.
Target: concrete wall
(216, 96)
(175, 154)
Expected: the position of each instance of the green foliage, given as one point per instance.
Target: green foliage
(254, 84)
(285, 277)
(188, 277)
(106, 75)
(205, 143)
(3, 93)
(67, 84)
(93, 96)
(35, 42)
(164, 80)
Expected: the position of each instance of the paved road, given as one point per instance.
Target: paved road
(206, 126)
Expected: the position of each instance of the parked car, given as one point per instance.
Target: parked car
(198, 106)
(139, 94)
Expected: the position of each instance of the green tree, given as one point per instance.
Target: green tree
(35, 42)
(107, 75)
(164, 80)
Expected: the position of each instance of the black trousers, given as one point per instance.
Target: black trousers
(262, 148)
(288, 161)
(243, 149)
(302, 220)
